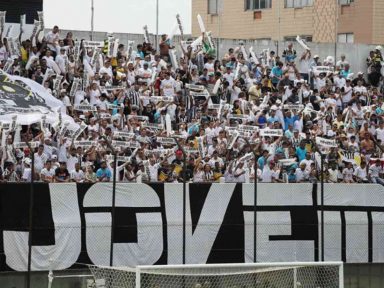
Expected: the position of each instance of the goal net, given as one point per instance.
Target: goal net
(259, 275)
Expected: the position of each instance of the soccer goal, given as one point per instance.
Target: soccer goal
(87, 279)
(258, 275)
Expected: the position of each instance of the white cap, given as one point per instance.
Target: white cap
(360, 73)
(274, 107)
(27, 161)
(379, 47)
(316, 56)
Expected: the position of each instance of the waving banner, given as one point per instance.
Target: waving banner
(22, 95)
(328, 143)
(271, 132)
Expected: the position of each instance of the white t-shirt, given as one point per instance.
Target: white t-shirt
(301, 175)
(380, 134)
(3, 53)
(52, 37)
(79, 97)
(348, 96)
(229, 77)
(72, 160)
(339, 82)
(48, 174)
(145, 73)
(241, 178)
(341, 63)
(304, 66)
(375, 171)
(198, 176)
(27, 174)
(171, 111)
(320, 83)
(360, 89)
(153, 172)
(131, 76)
(307, 164)
(94, 95)
(267, 175)
(40, 161)
(348, 173)
(209, 67)
(66, 101)
(60, 61)
(331, 102)
(102, 104)
(106, 70)
(77, 175)
(361, 173)
(213, 161)
(333, 175)
(168, 86)
(235, 94)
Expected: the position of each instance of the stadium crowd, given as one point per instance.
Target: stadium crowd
(152, 108)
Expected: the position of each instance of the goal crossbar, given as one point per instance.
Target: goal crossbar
(237, 265)
(298, 273)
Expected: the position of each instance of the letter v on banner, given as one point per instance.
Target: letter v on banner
(200, 242)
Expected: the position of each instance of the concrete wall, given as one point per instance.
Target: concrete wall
(356, 54)
(123, 37)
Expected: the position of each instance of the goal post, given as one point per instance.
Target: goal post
(253, 275)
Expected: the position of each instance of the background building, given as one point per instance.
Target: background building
(323, 21)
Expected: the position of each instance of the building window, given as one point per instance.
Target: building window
(345, 38)
(346, 2)
(306, 38)
(264, 41)
(298, 3)
(257, 4)
(213, 7)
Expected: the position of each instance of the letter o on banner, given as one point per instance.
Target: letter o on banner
(149, 245)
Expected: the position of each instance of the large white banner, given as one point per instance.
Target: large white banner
(74, 222)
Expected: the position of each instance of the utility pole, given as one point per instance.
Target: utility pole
(157, 26)
(336, 27)
(279, 27)
(92, 15)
